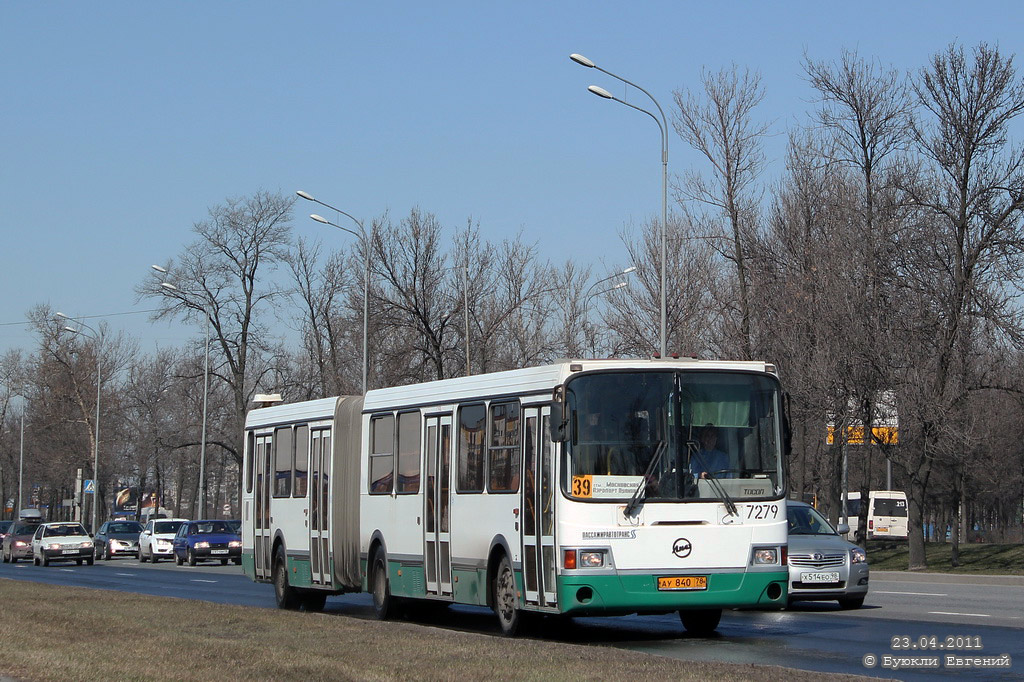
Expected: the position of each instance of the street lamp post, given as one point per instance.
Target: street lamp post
(204, 495)
(663, 126)
(21, 463)
(96, 448)
(361, 235)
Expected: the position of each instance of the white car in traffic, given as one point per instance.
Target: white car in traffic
(62, 542)
(155, 539)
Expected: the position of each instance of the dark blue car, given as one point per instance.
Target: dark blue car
(207, 540)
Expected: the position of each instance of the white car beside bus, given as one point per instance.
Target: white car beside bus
(564, 489)
(155, 539)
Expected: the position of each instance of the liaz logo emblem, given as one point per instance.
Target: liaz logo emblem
(682, 548)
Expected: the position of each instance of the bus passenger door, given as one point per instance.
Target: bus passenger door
(538, 509)
(261, 525)
(436, 501)
(319, 507)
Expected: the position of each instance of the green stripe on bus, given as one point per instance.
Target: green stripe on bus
(609, 594)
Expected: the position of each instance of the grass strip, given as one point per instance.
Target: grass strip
(975, 558)
(52, 632)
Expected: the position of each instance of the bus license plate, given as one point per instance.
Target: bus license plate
(683, 582)
(882, 529)
(830, 577)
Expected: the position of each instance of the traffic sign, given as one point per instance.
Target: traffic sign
(89, 486)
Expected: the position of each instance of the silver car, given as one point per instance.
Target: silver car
(822, 565)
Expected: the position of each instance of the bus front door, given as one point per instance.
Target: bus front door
(538, 505)
(436, 501)
(261, 525)
(319, 507)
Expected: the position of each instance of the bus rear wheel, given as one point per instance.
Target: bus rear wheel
(284, 593)
(383, 602)
(701, 622)
(506, 605)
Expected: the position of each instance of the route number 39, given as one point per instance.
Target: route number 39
(582, 486)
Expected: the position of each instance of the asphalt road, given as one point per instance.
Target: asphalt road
(810, 636)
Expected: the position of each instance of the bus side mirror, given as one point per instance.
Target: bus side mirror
(559, 432)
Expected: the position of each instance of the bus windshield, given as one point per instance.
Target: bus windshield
(679, 436)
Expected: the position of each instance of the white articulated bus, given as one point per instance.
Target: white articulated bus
(578, 488)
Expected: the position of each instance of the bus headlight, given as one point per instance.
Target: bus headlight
(591, 559)
(765, 556)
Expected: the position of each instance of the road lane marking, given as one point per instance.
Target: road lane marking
(68, 570)
(949, 613)
(920, 594)
(130, 575)
(198, 580)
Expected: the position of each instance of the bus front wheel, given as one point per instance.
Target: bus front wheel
(506, 604)
(383, 602)
(700, 622)
(284, 593)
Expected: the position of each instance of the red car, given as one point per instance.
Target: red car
(17, 543)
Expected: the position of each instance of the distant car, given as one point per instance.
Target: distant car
(62, 541)
(204, 540)
(155, 542)
(17, 543)
(118, 538)
(822, 565)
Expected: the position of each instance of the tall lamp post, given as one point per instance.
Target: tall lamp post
(361, 235)
(663, 126)
(173, 291)
(96, 448)
(21, 459)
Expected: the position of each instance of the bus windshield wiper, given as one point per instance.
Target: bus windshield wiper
(719, 489)
(637, 498)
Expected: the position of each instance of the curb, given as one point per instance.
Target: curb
(948, 578)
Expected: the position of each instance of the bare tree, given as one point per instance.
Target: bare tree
(225, 276)
(720, 125)
(969, 244)
(863, 110)
(693, 317)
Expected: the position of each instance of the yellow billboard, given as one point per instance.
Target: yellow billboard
(880, 435)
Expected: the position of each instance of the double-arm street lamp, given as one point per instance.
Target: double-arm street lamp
(364, 239)
(176, 293)
(587, 295)
(663, 126)
(96, 448)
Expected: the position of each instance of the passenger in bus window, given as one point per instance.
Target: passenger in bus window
(708, 457)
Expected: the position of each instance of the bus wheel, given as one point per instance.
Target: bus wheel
(283, 592)
(383, 603)
(700, 622)
(505, 600)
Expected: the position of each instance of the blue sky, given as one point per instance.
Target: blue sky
(122, 122)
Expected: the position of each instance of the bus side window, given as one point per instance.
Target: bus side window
(301, 460)
(409, 442)
(472, 431)
(382, 454)
(503, 452)
(250, 447)
(284, 455)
